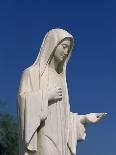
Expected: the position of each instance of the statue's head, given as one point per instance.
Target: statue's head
(57, 43)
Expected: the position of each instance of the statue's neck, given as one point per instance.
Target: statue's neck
(54, 65)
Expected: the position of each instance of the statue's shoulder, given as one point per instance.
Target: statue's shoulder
(30, 71)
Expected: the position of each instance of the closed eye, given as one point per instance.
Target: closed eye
(65, 46)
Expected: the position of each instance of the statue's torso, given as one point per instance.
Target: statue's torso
(54, 126)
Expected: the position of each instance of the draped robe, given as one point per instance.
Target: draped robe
(33, 109)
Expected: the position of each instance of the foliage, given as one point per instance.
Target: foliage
(8, 134)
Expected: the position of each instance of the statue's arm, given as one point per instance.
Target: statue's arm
(26, 83)
(78, 122)
(32, 105)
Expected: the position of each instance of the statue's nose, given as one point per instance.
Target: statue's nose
(66, 51)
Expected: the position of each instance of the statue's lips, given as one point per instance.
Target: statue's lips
(63, 56)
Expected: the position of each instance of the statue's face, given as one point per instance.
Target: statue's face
(62, 50)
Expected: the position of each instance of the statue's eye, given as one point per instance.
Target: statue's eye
(64, 46)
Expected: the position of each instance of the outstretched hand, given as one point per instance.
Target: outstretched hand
(94, 117)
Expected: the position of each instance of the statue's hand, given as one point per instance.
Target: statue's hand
(55, 94)
(94, 117)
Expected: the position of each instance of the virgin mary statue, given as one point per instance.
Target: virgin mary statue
(46, 125)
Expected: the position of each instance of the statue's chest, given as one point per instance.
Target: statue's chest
(54, 79)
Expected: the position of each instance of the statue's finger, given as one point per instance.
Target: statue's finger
(103, 114)
(99, 114)
(59, 91)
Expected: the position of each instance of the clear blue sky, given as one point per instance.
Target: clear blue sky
(91, 73)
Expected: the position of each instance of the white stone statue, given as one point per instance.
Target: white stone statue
(46, 125)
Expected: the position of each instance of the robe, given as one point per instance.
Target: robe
(37, 118)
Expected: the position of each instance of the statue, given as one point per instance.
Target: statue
(46, 125)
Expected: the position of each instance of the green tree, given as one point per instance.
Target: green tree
(8, 133)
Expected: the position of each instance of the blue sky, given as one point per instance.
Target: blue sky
(91, 72)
